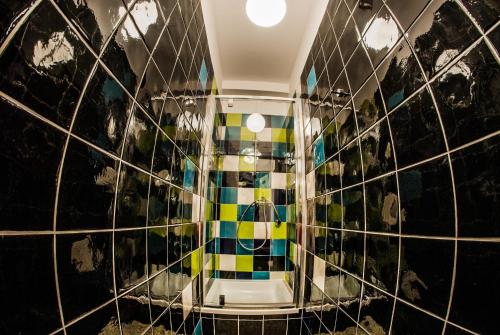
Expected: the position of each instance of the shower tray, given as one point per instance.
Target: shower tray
(271, 293)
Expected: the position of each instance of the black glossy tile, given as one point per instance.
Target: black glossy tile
(368, 104)
(126, 55)
(226, 327)
(348, 40)
(153, 92)
(319, 180)
(408, 320)
(45, 66)
(93, 19)
(346, 126)
(333, 174)
(103, 113)
(353, 257)
(28, 289)
(84, 269)
(426, 272)
(163, 156)
(399, 75)
(31, 153)
(442, 27)
(165, 54)
(358, 68)
(272, 327)
(350, 158)
(427, 206)
(149, 21)
(340, 19)
(139, 140)
(377, 151)
(466, 97)
(381, 267)
(416, 131)
(477, 272)
(175, 205)
(159, 197)
(134, 311)
(382, 205)
(132, 198)
(12, 11)
(130, 257)
(103, 320)
(86, 194)
(476, 174)
(375, 314)
(406, 13)
(353, 203)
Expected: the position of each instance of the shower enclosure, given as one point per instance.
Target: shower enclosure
(251, 245)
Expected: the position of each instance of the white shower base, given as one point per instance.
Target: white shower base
(250, 293)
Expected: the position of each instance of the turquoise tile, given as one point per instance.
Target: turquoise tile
(229, 195)
(216, 274)
(262, 180)
(189, 175)
(217, 245)
(242, 251)
(260, 275)
(233, 133)
(244, 118)
(319, 151)
(203, 75)
(311, 81)
(289, 124)
(228, 229)
(281, 212)
(279, 150)
(278, 121)
(249, 215)
(278, 247)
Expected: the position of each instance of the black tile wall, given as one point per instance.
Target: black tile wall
(408, 171)
(101, 198)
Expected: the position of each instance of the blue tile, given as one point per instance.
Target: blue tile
(260, 275)
(311, 81)
(278, 121)
(242, 251)
(279, 150)
(249, 215)
(278, 247)
(227, 229)
(319, 151)
(203, 76)
(229, 195)
(233, 133)
(262, 180)
(189, 175)
(281, 212)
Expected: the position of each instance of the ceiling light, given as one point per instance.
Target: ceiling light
(266, 13)
(256, 123)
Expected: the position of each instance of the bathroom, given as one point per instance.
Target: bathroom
(249, 167)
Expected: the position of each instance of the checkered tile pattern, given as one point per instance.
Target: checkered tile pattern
(247, 167)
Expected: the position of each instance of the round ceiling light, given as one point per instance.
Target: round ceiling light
(266, 13)
(256, 123)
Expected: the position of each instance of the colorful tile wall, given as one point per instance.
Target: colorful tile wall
(253, 166)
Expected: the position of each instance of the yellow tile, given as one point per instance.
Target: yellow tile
(278, 233)
(245, 230)
(246, 164)
(217, 262)
(246, 134)
(244, 263)
(262, 193)
(195, 262)
(233, 120)
(278, 135)
(228, 212)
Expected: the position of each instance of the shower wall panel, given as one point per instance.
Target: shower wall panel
(102, 119)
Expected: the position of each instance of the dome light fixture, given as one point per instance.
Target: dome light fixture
(266, 13)
(256, 122)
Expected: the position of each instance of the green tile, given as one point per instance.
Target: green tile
(244, 263)
(246, 230)
(228, 212)
(233, 120)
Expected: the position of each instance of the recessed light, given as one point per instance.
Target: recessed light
(256, 123)
(266, 13)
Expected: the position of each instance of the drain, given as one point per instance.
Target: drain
(222, 299)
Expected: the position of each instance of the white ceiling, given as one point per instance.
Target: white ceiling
(248, 57)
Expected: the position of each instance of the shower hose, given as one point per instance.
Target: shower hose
(277, 223)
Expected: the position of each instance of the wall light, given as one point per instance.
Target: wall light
(256, 122)
(266, 13)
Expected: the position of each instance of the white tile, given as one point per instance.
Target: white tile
(278, 180)
(319, 273)
(195, 211)
(216, 227)
(230, 163)
(227, 262)
(310, 185)
(277, 274)
(245, 196)
(187, 300)
(259, 230)
(265, 135)
(221, 132)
